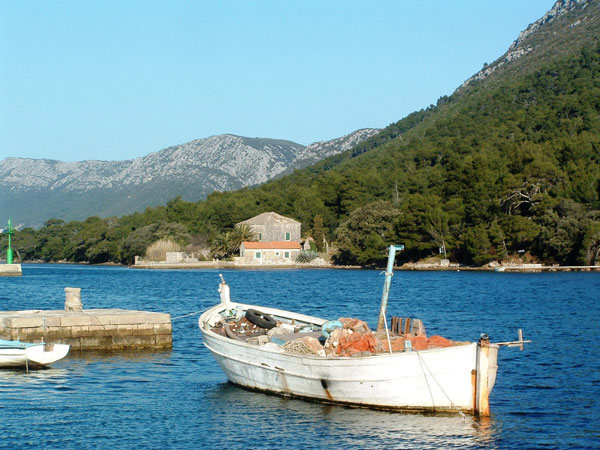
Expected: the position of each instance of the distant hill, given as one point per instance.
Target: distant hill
(34, 190)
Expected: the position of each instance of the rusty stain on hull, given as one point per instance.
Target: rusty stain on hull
(327, 393)
(474, 388)
(284, 384)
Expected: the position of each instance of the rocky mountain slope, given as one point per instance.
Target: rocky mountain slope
(34, 190)
(542, 39)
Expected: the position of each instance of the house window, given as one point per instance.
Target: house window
(257, 255)
(288, 236)
(276, 253)
(260, 236)
(286, 255)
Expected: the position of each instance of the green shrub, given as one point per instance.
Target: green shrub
(306, 256)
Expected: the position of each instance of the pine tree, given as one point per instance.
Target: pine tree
(319, 233)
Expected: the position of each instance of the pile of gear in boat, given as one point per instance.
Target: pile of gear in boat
(342, 337)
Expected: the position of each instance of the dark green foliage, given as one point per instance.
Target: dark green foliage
(318, 233)
(364, 236)
(306, 256)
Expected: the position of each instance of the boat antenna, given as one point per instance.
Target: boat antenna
(386, 287)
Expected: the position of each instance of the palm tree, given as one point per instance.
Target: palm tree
(219, 246)
(241, 233)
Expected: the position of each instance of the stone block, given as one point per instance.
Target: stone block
(125, 330)
(74, 343)
(55, 333)
(111, 330)
(97, 343)
(52, 321)
(128, 342)
(146, 341)
(161, 329)
(127, 319)
(34, 335)
(144, 331)
(77, 331)
(26, 322)
(73, 319)
(164, 341)
(96, 331)
(158, 318)
(101, 318)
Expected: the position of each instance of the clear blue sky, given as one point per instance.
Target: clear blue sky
(116, 80)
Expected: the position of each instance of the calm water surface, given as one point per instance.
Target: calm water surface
(545, 397)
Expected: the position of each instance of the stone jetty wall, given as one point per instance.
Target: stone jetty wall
(93, 329)
(10, 270)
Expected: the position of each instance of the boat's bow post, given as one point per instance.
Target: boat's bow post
(224, 291)
(386, 287)
(485, 377)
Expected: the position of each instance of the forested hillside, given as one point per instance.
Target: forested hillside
(509, 164)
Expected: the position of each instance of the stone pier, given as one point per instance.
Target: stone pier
(92, 329)
(10, 270)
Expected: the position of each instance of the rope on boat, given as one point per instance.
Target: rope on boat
(387, 332)
(422, 362)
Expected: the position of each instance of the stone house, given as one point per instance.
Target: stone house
(273, 252)
(272, 227)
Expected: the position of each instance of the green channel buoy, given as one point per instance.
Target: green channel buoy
(9, 251)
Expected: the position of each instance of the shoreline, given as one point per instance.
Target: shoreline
(526, 268)
(405, 267)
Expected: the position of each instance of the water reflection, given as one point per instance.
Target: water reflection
(228, 407)
(20, 376)
(96, 356)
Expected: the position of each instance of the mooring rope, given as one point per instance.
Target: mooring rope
(421, 363)
(452, 405)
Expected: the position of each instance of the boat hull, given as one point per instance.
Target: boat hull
(32, 356)
(444, 379)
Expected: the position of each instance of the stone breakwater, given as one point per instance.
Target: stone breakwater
(94, 329)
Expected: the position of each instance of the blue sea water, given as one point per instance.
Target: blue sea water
(546, 397)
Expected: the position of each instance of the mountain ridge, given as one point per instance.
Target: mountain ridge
(531, 39)
(191, 170)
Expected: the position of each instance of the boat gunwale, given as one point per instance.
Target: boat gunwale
(382, 358)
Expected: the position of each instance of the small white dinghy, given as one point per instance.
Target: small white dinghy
(457, 377)
(29, 355)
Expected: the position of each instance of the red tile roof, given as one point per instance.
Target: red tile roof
(274, 245)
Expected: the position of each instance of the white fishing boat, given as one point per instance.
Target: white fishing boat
(458, 377)
(29, 355)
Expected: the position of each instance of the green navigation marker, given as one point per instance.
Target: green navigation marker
(9, 251)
